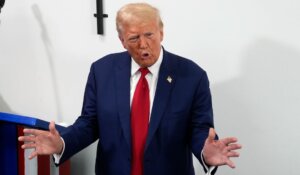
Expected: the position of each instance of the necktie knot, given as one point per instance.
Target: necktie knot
(144, 71)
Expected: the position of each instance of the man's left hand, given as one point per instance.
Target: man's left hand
(219, 152)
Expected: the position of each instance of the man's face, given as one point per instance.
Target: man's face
(142, 41)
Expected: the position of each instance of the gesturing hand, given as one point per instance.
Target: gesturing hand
(218, 152)
(43, 142)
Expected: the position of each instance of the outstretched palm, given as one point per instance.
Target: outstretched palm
(218, 152)
(43, 142)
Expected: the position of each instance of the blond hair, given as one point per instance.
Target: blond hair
(136, 13)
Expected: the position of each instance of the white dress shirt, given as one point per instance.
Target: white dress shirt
(151, 77)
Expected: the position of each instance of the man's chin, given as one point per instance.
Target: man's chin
(145, 62)
(145, 65)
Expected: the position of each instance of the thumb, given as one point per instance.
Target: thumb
(52, 128)
(211, 134)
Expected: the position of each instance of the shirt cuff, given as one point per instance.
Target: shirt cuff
(208, 169)
(58, 156)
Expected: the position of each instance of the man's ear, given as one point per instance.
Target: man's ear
(161, 35)
(123, 41)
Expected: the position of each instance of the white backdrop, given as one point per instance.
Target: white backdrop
(250, 49)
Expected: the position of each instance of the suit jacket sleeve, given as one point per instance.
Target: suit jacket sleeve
(85, 130)
(202, 118)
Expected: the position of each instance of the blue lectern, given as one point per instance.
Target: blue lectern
(11, 155)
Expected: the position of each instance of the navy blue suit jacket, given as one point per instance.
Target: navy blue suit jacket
(180, 119)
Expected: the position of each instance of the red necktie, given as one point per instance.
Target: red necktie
(140, 108)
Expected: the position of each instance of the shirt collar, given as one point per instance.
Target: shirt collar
(153, 69)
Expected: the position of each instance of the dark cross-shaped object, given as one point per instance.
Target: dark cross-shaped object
(99, 15)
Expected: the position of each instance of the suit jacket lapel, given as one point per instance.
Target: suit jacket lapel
(122, 78)
(166, 81)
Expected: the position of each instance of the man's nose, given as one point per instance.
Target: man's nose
(143, 43)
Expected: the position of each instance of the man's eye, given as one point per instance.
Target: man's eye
(133, 39)
(148, 35)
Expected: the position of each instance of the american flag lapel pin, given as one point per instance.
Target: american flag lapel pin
(169, 79)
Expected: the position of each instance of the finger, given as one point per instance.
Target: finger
(32, 131)
(234, 147)
(233, 154)
(30, 138)
(211, 134)
(230, 163)
(33, 155)
(22, 139)
(52, 128)
(229, 140)
(28, 146)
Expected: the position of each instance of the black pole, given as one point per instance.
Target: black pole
(99, 15)
(2, 2)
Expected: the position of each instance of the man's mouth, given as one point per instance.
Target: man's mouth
(145, 54)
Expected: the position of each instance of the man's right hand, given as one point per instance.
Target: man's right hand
(43, 142)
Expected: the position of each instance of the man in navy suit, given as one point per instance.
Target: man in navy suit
(179, 121)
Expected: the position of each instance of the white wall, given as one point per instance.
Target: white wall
(250, 49)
